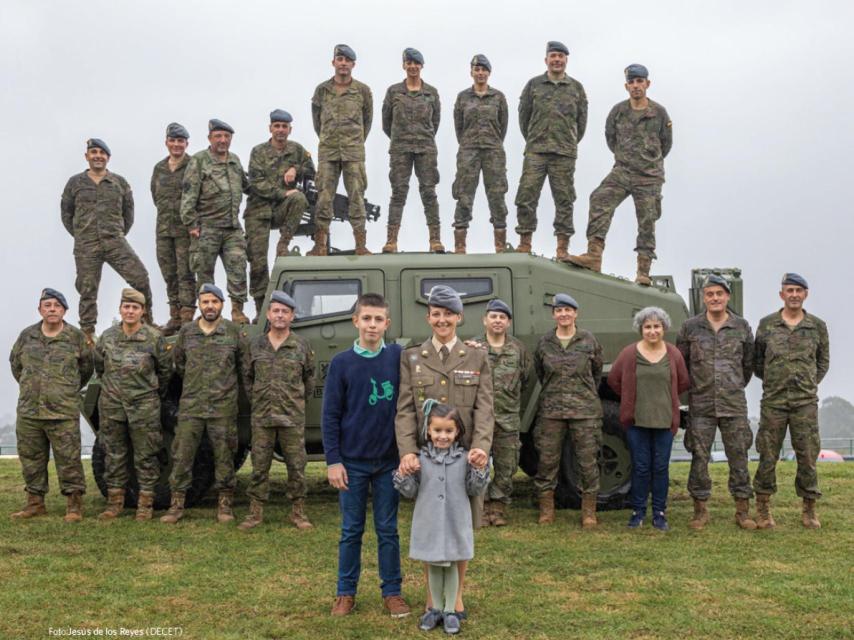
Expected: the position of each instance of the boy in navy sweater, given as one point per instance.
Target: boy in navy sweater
(359, 404)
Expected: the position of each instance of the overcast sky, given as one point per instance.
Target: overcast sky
(759, 94)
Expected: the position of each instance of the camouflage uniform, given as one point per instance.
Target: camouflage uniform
(720, 364)
(411, 120)
(268, 206)
(50, 371)
(211, 366)
(211, 202)
(99, 216)
(134, 371)
(173, 238)
(569, 402)
(342, 122)
(278, 382)
(640, 140)
(552, 117)
(791, 362)
(480, 122)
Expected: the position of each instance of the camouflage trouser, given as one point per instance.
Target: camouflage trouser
(400, 171)
(292, 443)
(222, 435)
(616, 187)
(139, 428)
(90, 259)
(561, 171)
(173, 256)
(803, 429)
(355, 183)
(35, 440)
(737, 438)
(470, 162)
(230, 245)
(505, 461)
(586, 438)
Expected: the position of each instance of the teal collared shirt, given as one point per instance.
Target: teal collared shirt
(367, 353)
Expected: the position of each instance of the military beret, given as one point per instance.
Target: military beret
(209, 287)
(499, 305)
(344, 50)
(132, 295)
(554, 45)
(97, 143)
(283, 298)
(48, 293)
(175, 130)
(795, 279)
(218, 125)
(714, 279)
(480, 60)
(564, 300)
(445, 297)
(413, 55)
(635, 71)
(280, 115)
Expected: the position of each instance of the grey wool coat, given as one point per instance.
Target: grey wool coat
(441, 523)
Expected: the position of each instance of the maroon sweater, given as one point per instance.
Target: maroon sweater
(623, 380)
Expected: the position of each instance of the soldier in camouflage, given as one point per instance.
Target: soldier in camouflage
(568, 361)
(214, 184)
(275, 169)
(97, 210)
(279, 379)
(717, 346)
(792, 357)
(132, 361)
(411, 113)
(172, 237)
(342, 111)
(480, 122)
(552, 117)
(639, 133)
(209, 355)
(51, 362)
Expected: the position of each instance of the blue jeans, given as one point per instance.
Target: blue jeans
(650, 451)
(354, 504)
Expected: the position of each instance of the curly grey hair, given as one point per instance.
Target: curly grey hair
(651, 313)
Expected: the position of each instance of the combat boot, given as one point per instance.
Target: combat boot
(808, 517)
(436, 245)
(254, 517)
(282, 247)
(764, 519)
(701, 515)
(593, 258)
(223, 510)
(742, 514)
(237, 315)
(390, 245)
(298, 516)
(259, 302)
(144, 506)
(460, 240)
(588, 511)
(320, 248)
(524, 243)
(171, 327)
(361, 243)
(547, 508)
(499, 515)
(500, 239)
(34, 507)
(187, 314)
(488, 512)
(562, 252)
(74, 507)
(115, 504)
(176, 508)
(644, 263)
(89, 334)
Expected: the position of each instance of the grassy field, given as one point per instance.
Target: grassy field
(201, 580)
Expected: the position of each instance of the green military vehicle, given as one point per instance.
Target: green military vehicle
(326, 288)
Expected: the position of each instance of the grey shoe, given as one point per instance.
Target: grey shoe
(452, 623)
(430, 620)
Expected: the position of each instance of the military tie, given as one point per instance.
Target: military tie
(443, 354)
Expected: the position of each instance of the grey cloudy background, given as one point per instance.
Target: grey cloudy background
(759, 93)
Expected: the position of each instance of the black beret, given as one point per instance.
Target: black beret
(48, 293)
(795, 279)
(209, 287)
(564, 300)
(443, 296)
(481, 60)
(714, 279)
(499, 305)
(413, 55)
(175, 130)
(344, 50)
(280, 115)
(97, 143)
(554, 45)
(218, 125)
(283, 298)
(635, 71)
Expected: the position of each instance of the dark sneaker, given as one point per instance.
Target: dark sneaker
(635, 520)
(430, 620)
(452, 623)
(343, 605)
(659, 521)
(396, 606)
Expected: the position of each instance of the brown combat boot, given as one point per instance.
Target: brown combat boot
(562, 252)
(742, 514)
(460, 240)
(237, 315)
(224, 513)
(642, 277)
(254, 517)
(176, 508)
(436, 245)
(115, 504)
(187, 314)
(524, 243)
(593, 258)
(499, 514)
(390, 245)
(282, 247)
(320, 248)
(488, 512)
(89, 334)
(298, 517)
(808, 517)
(174, 324)
(500, 239)
(547, 508)
(701, 515)
(259, 302)
(588, 511)
(361, 243)
(764, 519)
(74, 507)
(144, 506)
(34, 507)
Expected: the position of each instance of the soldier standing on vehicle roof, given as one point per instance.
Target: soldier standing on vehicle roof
(717, 346)
(97, 209)
(209, 356)
(792, 357)
(480, 122)
(411, 113)
(214, 184)
(552, 117)
(275, 169)
(51, 362)
(640, 134)
(342, 112)
(172, 236)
